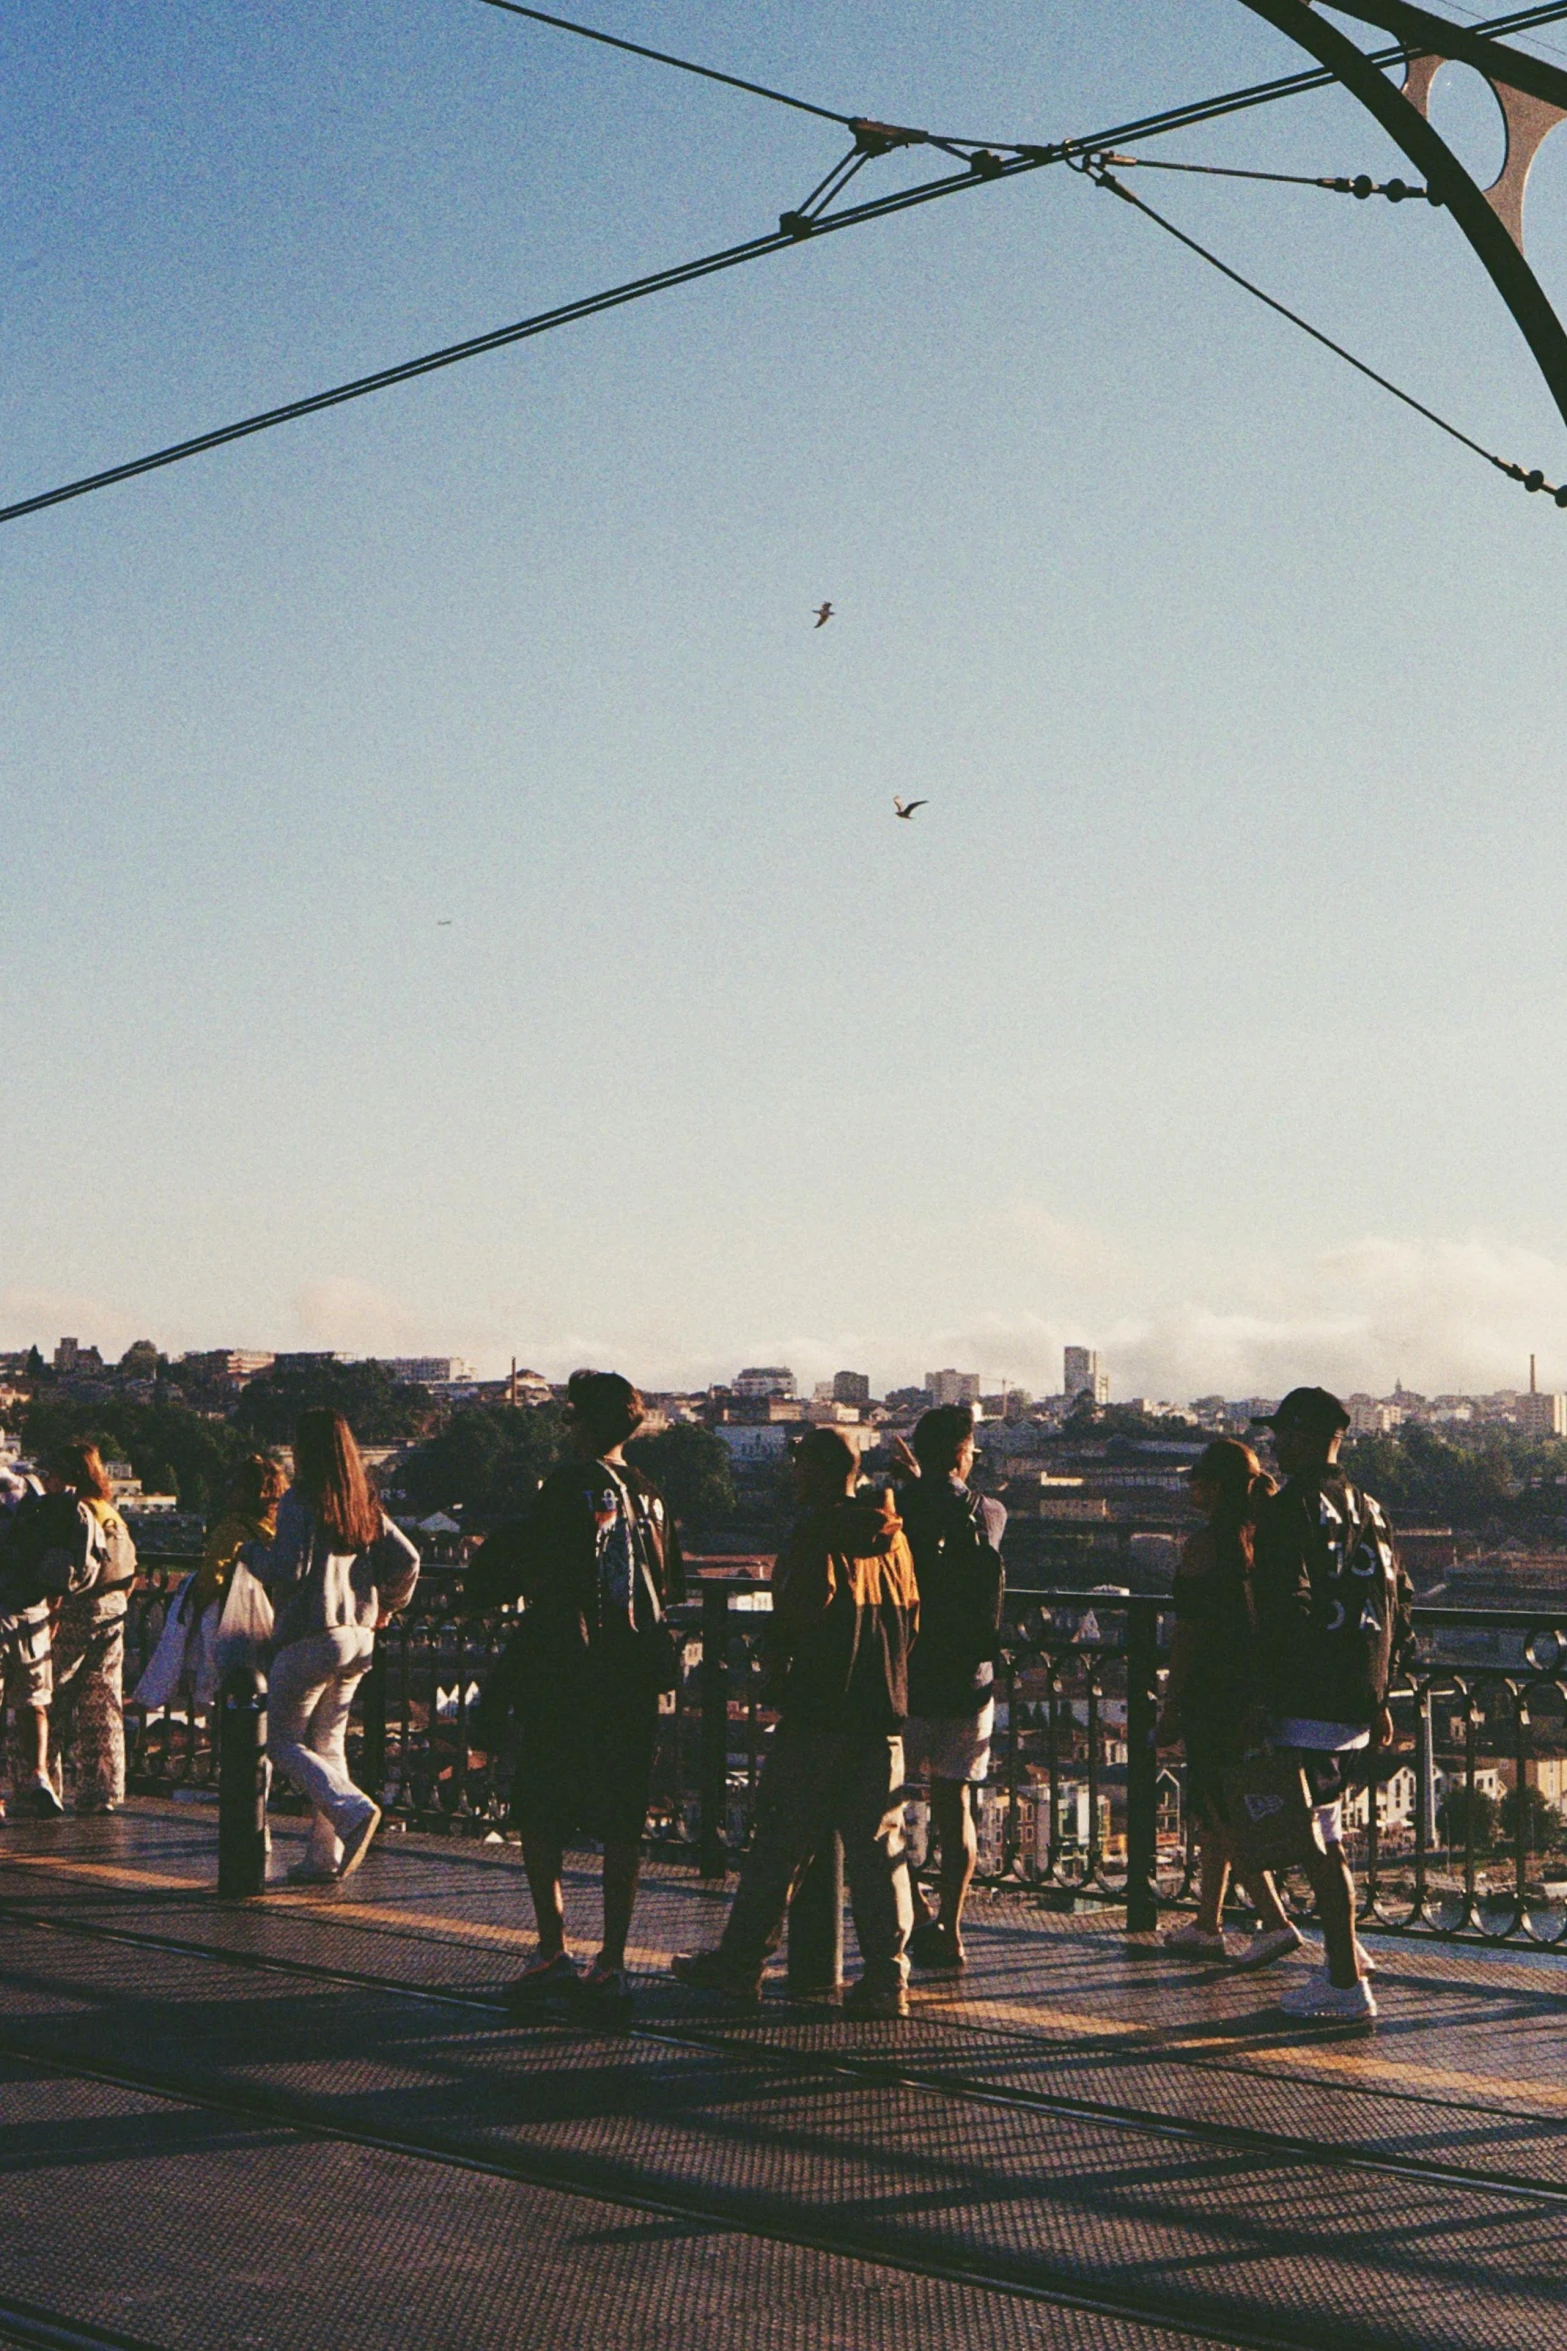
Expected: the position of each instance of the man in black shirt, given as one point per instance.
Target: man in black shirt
(597, 1559)
(955, 1536)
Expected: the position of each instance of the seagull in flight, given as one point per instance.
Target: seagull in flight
(443, 922)
(823, 615)
(906, 808)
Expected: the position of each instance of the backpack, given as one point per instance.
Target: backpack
(117, 1552)
(28, 1536)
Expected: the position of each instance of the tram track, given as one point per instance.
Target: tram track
(847, 2066)
(27, 2326)
(770, 2221)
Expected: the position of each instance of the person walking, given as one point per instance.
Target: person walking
(26, 1662)
(88, 1660)
(597, 1561)
(1335, 1628)
(1212, 1676)
(955, 1537)
(845, 1615)
(335, 1570)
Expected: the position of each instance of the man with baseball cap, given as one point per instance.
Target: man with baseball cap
(1334, 1627)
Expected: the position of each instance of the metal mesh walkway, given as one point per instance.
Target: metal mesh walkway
(310, 2119)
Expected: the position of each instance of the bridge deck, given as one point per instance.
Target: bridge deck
(308, 2121)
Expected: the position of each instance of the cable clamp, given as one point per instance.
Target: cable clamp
(1533, 480)
(1363, 185)
(879, 138)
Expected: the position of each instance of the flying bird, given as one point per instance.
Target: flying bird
(906, 808)
(443, 922)
(823, 615)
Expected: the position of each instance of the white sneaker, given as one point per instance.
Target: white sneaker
(1264, 1948)
(1194, 1942)
(1363, 1959)
(1320, 1996)
(357, 1843)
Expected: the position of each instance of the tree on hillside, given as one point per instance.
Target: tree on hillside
(1421, 1475)
(380, 1408)
(1544, 1830)
(489, 1458)
(690, 1467)
(1462, 1810)
(172, 1450)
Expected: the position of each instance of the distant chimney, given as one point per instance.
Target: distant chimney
(1533, 1390)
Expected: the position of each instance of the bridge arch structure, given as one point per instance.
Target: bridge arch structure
(1533, 98)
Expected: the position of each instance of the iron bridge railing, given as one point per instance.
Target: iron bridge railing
(1466, 1840)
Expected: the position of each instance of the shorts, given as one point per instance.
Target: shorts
(26, 1663)
(585, 1758)
(1326, 1785)
(950, 1746)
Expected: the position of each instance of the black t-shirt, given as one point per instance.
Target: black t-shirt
(956, 1540)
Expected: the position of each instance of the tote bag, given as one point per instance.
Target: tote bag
(1267, 1812)
(166, 1667)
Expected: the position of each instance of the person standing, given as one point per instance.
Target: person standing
(89, 1630)
(1212, 1668)
(335, 1569)
(1334, 1626)
(845, 1614)
(247, 1516)
(955, 1537)
(26, 1663)
(597, 1561)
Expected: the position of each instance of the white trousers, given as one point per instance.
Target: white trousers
(312, 1688)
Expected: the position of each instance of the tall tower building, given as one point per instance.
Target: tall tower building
(1083, 1377)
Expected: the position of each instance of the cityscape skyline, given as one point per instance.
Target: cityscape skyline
(468, 880)
(1541, 1409)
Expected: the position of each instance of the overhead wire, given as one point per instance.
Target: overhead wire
(780, 240)
(1535, 480)
(990, 161)
(708, 73)
(1147, 127)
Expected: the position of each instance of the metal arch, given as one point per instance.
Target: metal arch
(1531, 94)
(1405, 123)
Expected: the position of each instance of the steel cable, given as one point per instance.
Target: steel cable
(985, 167)
(1531, 480)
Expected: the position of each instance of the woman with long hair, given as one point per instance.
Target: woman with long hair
(336, 1569)
(1211, 1680)
(89, 1632)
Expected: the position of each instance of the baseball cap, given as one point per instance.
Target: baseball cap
(1310, 1408)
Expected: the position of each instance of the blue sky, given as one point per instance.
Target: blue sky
(1212, 1010)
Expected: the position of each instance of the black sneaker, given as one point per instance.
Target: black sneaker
(937, 1948)
(43, 1803)
(543, 1981)
(605, 1992)
(710, 1971)
(877, 2002)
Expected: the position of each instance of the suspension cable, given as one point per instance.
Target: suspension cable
(1534, 480)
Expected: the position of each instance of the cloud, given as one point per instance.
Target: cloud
(1439, 1314)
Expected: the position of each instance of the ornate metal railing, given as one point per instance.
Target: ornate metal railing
(1467, 1839)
